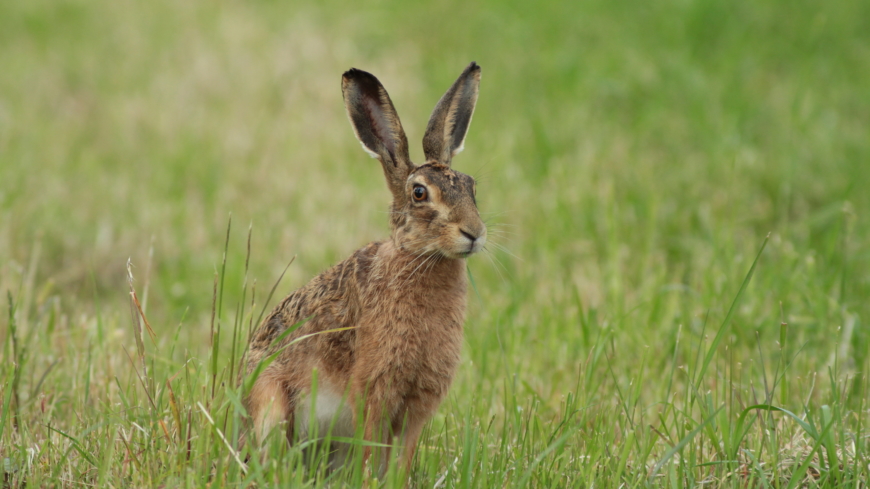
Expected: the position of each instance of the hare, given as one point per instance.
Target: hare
(382, 329)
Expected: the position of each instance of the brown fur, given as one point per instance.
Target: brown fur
(401, 300)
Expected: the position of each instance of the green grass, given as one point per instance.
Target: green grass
(632, 158)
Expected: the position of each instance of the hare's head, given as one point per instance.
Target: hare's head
(434, 209)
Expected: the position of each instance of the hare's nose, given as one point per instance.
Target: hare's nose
(468, 235)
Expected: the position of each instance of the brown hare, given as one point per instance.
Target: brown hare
(401, 301)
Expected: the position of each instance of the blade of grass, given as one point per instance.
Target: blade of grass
(558, 443)
(799, 474)
(233, 452)
(78, 447)
(727, 321)
(272, 291)
(683, 442)
(264, 363)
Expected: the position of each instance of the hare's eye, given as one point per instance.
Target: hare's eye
(420, 193)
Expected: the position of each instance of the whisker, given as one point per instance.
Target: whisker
(432, 264)
(496, 265)
(410, 216)
(408, 265)
(493, 213)
(479, 174)
(500, 233)
(430, 259)
(499, 224)
(504, 250)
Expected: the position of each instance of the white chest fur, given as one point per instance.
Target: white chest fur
(329, 411)
(326, 413)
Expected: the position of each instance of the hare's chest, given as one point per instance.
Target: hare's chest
(417, 349)
(410, 331)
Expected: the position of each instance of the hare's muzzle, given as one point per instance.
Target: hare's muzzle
(472, 241)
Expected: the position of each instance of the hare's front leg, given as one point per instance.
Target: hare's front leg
(376, 412)
(410, 437)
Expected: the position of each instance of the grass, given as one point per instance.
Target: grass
(676, 296)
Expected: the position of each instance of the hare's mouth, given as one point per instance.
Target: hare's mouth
(466, 246)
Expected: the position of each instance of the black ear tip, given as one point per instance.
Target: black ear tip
(364, 81)
(358, 74)
(473, 66)
(352, 73)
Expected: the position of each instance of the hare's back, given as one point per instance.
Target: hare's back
(329, 301)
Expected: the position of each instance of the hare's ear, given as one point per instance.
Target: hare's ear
(377, 126)
(445, 134)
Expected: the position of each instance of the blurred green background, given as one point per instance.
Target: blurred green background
(608, 134)
(631, 157)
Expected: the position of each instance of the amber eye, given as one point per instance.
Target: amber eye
(420, 193)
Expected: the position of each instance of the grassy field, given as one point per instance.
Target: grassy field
(676, 293)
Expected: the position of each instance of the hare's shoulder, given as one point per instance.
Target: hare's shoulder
(330, 300)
